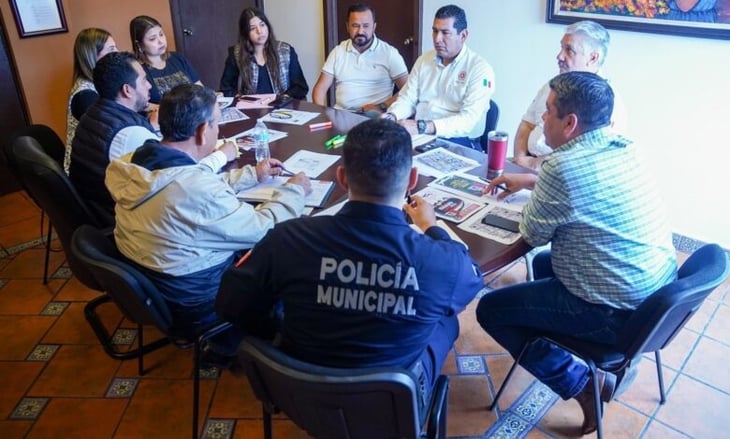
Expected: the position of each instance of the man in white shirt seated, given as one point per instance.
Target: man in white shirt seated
(583, 48)
(112, 127)
(449, 88)
(363, 68)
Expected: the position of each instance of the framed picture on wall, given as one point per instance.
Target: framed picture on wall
(38, 17)
(696, 18)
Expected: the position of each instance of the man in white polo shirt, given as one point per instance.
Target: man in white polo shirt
(363, 68)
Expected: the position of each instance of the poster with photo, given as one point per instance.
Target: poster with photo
(450, 206)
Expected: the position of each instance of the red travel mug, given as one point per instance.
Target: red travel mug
(496, 153)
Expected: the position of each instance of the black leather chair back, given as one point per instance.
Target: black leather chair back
(48, 139)
(44, 180)
(663, 314)
(330, 402)
(491, 124)
(139, 300)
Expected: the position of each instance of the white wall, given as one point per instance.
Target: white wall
(300, 23)
(675, 90)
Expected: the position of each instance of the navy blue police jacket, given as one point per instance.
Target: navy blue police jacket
(359, 289)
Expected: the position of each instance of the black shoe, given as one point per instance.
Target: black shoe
(210, 358)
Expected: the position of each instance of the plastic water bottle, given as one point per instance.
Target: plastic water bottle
(261, 137)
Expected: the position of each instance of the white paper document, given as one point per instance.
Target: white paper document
(440, 162)
(231, 114)
(224, 101)
(311, 163)
(291, 117)
(245, 139)
(264, 191)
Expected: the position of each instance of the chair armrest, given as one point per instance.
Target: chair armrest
(436, 420)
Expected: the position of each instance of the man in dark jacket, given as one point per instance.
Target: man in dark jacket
(112, 127)
(361, 288)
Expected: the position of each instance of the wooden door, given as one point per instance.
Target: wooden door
(13, 115)
(203, 32)
(399, 24)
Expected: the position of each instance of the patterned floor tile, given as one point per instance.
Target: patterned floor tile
(122, 388)
(219, 429)
(24, 246)
(124, 336)
(211, 373)
(29, 408)
(54, 309)
(534, 402)
(62, 273)
(470, 364)
(508, 427)
(43, 352)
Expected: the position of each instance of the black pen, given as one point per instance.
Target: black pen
(285, 172)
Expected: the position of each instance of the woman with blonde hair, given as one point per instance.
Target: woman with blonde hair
(259, 63)
(90, 46)
(164, 69)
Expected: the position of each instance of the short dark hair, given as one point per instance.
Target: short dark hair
(586, 95)
(112, 71)
(183, 109)
(377, 156)
(360, 7)
(455, 12)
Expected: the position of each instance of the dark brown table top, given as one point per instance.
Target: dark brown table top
(490, 255)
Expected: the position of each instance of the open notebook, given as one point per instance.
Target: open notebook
(264, 191)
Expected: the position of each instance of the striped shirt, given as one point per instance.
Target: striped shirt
(598, 205)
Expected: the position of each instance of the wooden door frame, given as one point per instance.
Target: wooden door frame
(331, 26)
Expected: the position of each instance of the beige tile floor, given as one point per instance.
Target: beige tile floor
(56, 380)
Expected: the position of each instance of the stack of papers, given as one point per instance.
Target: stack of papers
(264, 191)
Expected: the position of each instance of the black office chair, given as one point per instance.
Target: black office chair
(491, 123)
(342, 403)
(43, 179)
(651, 327)
(140, 302)
(54, 147)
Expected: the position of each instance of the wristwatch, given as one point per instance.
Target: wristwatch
(383, 107)
(421, 124)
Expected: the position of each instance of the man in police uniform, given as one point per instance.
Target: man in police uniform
(360, 288)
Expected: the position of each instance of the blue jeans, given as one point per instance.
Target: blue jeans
(516, 314)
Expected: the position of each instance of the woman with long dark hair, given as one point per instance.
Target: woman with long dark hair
(259, 63)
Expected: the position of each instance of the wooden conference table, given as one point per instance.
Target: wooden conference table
(490, 255)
